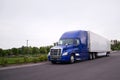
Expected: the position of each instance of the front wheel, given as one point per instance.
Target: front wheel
(72, 59)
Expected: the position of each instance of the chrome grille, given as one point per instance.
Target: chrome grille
(55, 53)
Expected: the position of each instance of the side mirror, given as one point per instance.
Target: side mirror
(56, 44)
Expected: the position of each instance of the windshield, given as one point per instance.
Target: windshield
(68, 41)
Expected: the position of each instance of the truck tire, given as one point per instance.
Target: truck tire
(107, 54)
(72, 59)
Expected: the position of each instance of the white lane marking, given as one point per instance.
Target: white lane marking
(21, 66)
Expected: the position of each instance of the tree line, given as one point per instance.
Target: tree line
(115, 45)
(24, 51)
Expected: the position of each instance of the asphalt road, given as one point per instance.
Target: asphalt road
(106, 68)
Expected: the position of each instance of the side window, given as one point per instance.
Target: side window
(76, 42)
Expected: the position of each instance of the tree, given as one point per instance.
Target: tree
(1, 52)
(30, 50)
(115, 45)
(35, 50)
(48, 48)
(43, 50)
(25, 50)
(15, 51)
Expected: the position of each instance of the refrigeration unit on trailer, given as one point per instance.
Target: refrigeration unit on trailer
(79, 45)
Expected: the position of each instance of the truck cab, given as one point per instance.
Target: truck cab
(72, 46)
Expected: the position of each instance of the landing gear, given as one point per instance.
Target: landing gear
(92, 56)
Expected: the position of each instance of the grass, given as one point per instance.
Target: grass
(4, 61)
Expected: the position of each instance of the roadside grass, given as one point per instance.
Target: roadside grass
(5, 61)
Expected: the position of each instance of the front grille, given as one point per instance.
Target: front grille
(55, 53)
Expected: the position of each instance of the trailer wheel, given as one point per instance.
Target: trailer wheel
(107, 54)
(72, 59)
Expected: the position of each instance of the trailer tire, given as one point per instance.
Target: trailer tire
(72, 59)
(107, 54)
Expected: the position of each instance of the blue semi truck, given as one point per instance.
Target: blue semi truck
(79, 45)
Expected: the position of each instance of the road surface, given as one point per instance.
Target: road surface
(106, 68)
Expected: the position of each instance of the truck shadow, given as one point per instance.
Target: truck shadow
(77, 62)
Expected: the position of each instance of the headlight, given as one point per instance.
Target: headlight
(65, 53)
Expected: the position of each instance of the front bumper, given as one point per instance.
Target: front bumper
(60, 59)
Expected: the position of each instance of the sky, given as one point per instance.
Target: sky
(42, 22)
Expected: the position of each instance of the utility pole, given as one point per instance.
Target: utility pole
(27, 43)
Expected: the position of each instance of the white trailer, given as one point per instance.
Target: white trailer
(98, 45)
